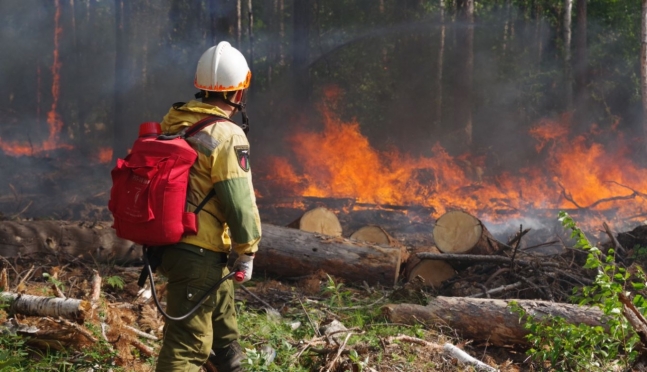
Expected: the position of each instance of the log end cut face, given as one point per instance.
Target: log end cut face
(373, 234)
(319, 220)
(457, 232)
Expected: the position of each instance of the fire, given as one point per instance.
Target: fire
(54, 121)
(104, 155)
(576, 172)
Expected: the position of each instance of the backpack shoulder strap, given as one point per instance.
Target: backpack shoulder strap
(195, 128)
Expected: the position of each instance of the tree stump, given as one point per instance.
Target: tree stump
(461, 233)
(377, 235)
(433, 272)
(319, 220)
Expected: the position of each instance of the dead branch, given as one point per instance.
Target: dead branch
(483, 259)
(68, 308)
(96, 289)
(466, 358)
(501, 289)
(414, 340)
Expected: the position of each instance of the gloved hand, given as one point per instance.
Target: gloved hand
(244, 263)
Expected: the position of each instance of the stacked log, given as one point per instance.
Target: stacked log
(433, 272)
(460, 232)
(318, 220)
(377, 235)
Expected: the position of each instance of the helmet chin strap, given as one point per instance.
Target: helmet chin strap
(242, 107)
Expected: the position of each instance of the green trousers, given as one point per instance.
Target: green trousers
(191, 271)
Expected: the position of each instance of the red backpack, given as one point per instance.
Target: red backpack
(149, 187)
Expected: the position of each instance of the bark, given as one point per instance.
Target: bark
(283, 251)
(433, 272)
(489, 320)
(580, 69)
(121, 120)
(288, 252)
(89, 241)
(301, 48)
(318, 220)
(439, 77)
(568, 72)
(643, 68)
(463, 93)
(460, 232)
(239, 23)
(250, 34)
(68, 308)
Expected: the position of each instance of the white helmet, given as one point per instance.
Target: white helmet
(222, 68)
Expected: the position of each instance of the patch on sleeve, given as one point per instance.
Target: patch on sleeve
(242, 154)
(206, 144)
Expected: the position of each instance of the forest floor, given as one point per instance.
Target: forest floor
(294, 323)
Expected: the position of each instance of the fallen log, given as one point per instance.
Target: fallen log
(376, 234)
(318, 220)
(287, 252)
(96, 240)
(489, 320)
(460, 232)
(68, 308)
(283, 251)
(433, 272)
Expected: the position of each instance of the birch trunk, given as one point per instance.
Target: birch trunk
(568, 71)
(67, 308)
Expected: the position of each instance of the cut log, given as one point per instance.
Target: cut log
(319, 220)
(283, 251)
(489, 320)
(377, 235)
(80, 239)
(68, 308)
(287, 252)
(433, 272)
(460, 232)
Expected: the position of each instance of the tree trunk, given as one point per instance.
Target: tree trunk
(643, 68)
(463, 94)
(489, 320)
(223, 14)
(581, 55)
(301, 48)
(439, 74)
(568, 71)
(68, 308)
(433, 272)
(319, 220)
(121, 121)
(97, 241)
(288, 252)
(460, 232)
(239, 23)
(283, 251)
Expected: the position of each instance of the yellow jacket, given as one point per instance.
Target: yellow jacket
(223, 164)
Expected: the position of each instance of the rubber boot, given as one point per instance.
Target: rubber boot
(227, 359)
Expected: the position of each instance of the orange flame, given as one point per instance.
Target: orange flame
(104, 155)
(577, 173)
(54, 121)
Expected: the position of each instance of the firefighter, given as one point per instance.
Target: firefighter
(198, 261)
